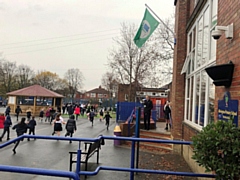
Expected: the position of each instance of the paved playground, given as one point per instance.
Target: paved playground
(53, 154)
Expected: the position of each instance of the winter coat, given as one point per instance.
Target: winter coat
(8, 110)
(148, 105)
(20, 128)
(41, 113)
(18, 110)
(71, 125)
(32, 123)
(107, 117)
(2, 120)
(7, 122)
(77, 110)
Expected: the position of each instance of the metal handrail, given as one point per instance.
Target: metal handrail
(76, 175)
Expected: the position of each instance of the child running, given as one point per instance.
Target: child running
(101, 115)
(31, 125)
(71, 127)
(57, 124)
(41, 114)
(21, 128)
(107, 117)
(91, 116)
(7, 124)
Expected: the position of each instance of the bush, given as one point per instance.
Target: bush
(217, 148)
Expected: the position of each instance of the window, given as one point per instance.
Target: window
(25, 100)
(93, 95)
(199, 89)
(100, 95)
(44, 101)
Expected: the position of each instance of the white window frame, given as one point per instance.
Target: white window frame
(198, 70)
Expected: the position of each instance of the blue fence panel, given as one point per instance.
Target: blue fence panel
(124, 109)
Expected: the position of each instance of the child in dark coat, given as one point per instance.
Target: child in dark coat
(101, 115)
(21, 128)
(31, 125)
(91, 116)
(107, 117)
(7, 124)
(71, 127)
(41, 114)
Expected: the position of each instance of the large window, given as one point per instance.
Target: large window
(200, 91)
(29, 100)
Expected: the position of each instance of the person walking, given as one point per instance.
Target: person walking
(167, 114)
(31, 125)
(148, 105)
(21, 128)
(57, 124)
(71, 127)
(7, 125)
(18, 110)
(107, 117)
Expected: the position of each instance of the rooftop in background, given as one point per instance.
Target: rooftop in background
(35, 90)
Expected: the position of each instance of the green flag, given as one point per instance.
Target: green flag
(148, 25)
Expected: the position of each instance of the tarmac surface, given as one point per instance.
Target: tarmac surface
(53, 154)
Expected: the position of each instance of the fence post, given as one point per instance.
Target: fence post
(137, 133)
(78, 161)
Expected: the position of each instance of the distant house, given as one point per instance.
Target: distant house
(141, 92)
(97, 94)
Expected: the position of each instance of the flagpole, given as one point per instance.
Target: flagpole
(160, 20)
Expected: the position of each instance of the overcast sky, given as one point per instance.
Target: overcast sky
(57, 35)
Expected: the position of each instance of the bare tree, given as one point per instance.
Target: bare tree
(74, 79)
(148, 65)
(110, 83)
(7, 76)
(25, 76)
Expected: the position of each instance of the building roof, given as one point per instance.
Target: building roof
(98, 90)
(35, 90)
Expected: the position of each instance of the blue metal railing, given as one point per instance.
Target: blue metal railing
(129, 120)
(76, 175)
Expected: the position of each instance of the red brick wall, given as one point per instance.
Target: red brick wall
(191, 6)
(178, 84)
(229, 50)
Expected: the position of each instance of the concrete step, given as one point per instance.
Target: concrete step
(156, 134)
(159, 147)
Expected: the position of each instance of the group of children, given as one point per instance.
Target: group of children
(22, 126)
(6, 123)
(107, 117)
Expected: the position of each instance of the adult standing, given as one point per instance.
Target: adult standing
(18, 110)
(148, 105)
(167, 114)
